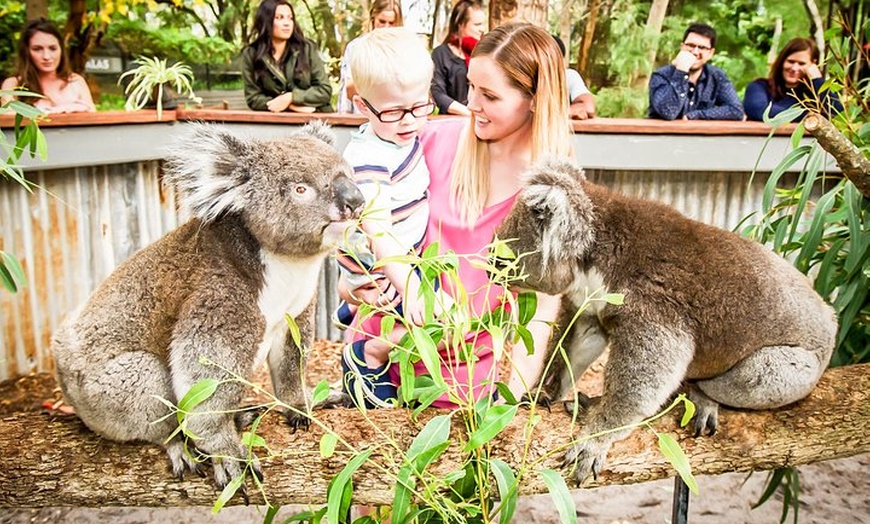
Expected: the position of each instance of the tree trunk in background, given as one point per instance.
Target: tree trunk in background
(817, 28)
(565, 24)
(78, 37)
(588, 36)
(654, 22)
(774, 42)
(36, 9)
(504, 11)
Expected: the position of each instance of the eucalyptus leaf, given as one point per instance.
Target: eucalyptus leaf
(561, 496)
(675, 455)
(495, 420)
(196, 395)
(507, 490)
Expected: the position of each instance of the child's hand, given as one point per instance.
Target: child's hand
(443, 303)
(413, 304)
(378, 294)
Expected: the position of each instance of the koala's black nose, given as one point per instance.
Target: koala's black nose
(348, 197)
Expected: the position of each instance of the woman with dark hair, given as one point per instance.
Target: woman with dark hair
(449, 83)
(795, 78)
(281, 68)
(43, 69)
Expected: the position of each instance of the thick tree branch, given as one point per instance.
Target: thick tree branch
(57, 461)
(852, 162)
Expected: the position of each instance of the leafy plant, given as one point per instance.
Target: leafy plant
(148, 81)
(822, 223)
(28, 137)
(482, 488)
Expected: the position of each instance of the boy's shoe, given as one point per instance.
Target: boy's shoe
(360, 382)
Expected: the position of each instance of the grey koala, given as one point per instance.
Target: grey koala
(266, 214)
(736, 322)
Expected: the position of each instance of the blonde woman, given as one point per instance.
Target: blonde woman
(519, 114)
(383, 13)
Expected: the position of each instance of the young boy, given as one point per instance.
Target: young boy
(392, 71)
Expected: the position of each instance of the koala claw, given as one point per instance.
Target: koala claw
(586, 458)
(543, 401)
(247, 415)
(706, 419)
(297, 421)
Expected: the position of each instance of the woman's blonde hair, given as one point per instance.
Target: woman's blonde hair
(532, 63)
(378, 7)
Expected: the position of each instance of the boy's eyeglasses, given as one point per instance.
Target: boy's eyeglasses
(394, 115)
(699, 47)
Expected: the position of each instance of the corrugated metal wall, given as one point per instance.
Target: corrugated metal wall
(85, 221)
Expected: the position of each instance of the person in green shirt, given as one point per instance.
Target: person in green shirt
(282, 69)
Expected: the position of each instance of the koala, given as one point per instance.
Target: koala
(265, 215)
(702, 306)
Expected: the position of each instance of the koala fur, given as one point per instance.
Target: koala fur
(703, 305)
(266, 213)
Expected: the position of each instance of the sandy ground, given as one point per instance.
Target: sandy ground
(835, 492)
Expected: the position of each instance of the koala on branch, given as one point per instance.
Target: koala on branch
(266, 213)
(737, 323)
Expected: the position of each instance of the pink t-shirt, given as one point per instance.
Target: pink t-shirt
(440, 139)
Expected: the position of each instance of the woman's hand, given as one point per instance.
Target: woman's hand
(812, 71)
(280, 103)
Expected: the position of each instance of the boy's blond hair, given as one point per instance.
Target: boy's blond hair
(391, 55)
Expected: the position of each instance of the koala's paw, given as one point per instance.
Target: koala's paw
(182, 460)
(582, 404)
(246, 416)
(706, 419)
(543, 400)
(228, 468)
(297, 419)
(587, 458)
(336, 399)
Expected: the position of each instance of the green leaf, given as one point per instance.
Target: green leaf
(616, 299)
(11, 273)
(428, 352)
(341, 488)
(327, 444)
(674, 453)
(321, 392)
(196, 395)
(252, 440)
(561, 496)
(527, 338)
(774, 479)
(496, 419)
(295, 334)
(402, 495)
(434, 433)
(797, 136)
(507, 492)
(689, 413)
(227, 493)
(527, 303)
(505, 392)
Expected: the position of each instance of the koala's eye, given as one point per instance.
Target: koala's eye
(300, 190)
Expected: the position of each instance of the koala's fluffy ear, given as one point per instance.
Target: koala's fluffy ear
(205, 165)
(319, 130)
(554, 195)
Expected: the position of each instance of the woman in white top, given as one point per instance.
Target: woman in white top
(383, 13)
(43, 69)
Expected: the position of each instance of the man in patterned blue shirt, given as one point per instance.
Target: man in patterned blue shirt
(690, 88)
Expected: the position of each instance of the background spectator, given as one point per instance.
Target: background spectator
(282, 69)
(690, 88)
(383, 13)
(449, 84)
(795, 78)
(43, 68)
(581, 99)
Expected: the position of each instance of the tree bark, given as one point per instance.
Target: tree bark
(504, 11)
(588, 36)
(34, 9)
(817, 28)
(855, 166)
(654, 22)
(57, 461)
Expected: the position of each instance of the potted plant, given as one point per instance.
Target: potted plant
(151, 78)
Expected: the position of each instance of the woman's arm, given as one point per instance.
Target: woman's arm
(526, 369)
(319, 92)
(755, 101)
(446, 104)
(254, 95)
(9, 84)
